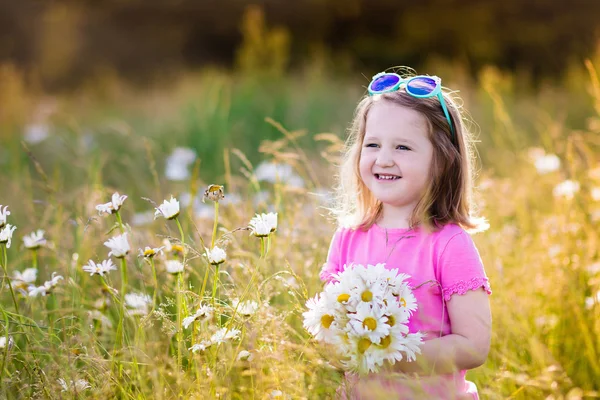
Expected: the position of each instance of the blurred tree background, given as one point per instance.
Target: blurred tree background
(62, 43)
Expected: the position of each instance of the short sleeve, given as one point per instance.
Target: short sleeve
(461, 268)
(332, 265)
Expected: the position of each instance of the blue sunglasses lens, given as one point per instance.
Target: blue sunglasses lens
(421, 86)
(384, 82)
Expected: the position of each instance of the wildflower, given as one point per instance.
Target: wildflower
(245, 355)
(113, 206)
(46, 288)
(3, 342)
(566, 189)
(547, 163)
(101, 268)
(214, 193)
(176, 249)
(201, 347)
(263, 225)
(245, 308)
(319, 320)
(276, 394)
(78, 386)
(224, 334)
(34, 240)
(215, 256)
(138, 303)
(150, 252)
(174, 266)
(118, 245)
(203, 313)
(168, 209)
(21, 280)
(6, 234)
(369, 322)
(3, 214)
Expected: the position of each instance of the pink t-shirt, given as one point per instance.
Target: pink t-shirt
(441, 264)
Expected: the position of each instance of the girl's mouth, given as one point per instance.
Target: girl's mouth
(386, 177)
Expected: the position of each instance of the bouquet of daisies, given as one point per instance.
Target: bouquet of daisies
(363, 312)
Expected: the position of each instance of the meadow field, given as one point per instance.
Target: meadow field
(272, 141)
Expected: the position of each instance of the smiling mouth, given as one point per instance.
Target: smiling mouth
(381, 177)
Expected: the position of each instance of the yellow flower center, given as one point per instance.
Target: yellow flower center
(385, 342)
(176, 248)
(149, 252)
(370, 323)
(402, 302)
(366, 296)
(391, 320)
(343, 297)
(326, 321)
(363, 345)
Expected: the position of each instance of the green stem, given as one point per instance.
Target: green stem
(35, 259)
(120, 328)
(215, 223)
(179, 324)
(5, 267)
(155, 285)
(215, 284)
(121, 227)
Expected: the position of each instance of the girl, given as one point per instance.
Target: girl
(405, 200)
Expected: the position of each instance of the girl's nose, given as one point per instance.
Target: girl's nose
(384, 159)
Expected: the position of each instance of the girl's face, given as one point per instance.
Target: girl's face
(396, 155)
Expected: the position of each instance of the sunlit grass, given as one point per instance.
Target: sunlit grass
(541, 252)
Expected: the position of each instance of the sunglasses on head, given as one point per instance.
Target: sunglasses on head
(420, 86)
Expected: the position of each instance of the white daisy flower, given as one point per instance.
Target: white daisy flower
(245, 308)
(245, 355)
(223, 334)
(25, 278)
(34, 240)
(113, 206)
(174, 266)
(46, 288)
(362, 358)
(150, 252)
(101, 268)
(276, 394)
(203, 313)
(201, 347)
(342, 294)
(319, 320)
(77, 386)
(566, 189)
(168, 209)
(3, 214)
(406, 298)
(3, 342)
(6, 234)
(118, 245)
(263, 225)
(370, 322)
(215, 256)
(138, 303)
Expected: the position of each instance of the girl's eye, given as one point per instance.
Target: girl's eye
(370, 145)
(401, 147)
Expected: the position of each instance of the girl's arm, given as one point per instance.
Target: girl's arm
(466, 347)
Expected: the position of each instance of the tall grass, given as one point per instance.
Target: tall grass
(541, 252)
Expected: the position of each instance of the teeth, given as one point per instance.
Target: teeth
(387, 177)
